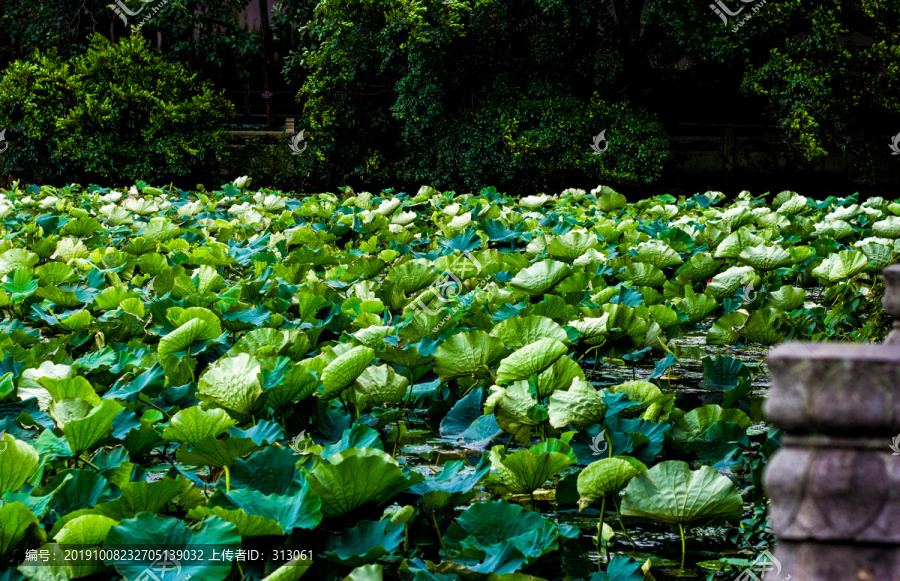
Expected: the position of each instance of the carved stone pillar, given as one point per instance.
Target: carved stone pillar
(835, 486)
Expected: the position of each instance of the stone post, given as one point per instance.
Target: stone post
(835, 485)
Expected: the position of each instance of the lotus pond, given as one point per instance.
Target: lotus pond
(391, 386)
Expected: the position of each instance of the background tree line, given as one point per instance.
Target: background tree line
(455, 93)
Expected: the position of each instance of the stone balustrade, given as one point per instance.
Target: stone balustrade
(835, 485)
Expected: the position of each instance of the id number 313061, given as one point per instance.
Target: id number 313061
(292, 555)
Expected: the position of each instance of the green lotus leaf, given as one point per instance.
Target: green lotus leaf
(467, 354)
(22, 285)
(160, 229)
(592, 329)
(380, 386)
(664, 316)
(728, 375)
(110, 297)
(658, 254)
(736, 242)
(580, 406)
(525, 471)
(763, 327)
(365, 543)
(841, 266)
(189, 332)
(299, 510)
(83, 433)
(609, 199)
(654, 404)
(496, 527)
(625, 326)
(18, 462)
(411, 277)
(248, 525)
(560, 375)
(88, 529)
(879, 255)
(787, 298)
(701, 267)
(58, 296)
(764, 257)
(77, 321)
(233, 383)
(692, 425)
(673, 494)
(267, 342)
(17, 524)
(295, 569)
(724, 330)
(192, 425)
(540, 277)
(567, 247)
(54, 273)
(215, 452)
(605, 476)
(726, 283)
(696, 307)
(17, 258)
(516, 332)
(737, 216)
(298, 384)
(138, 497)
(642, 274)
(357, 476)
(29, 386)
(837, 229)
(888, 227)
(159, 532)
(343, 371)
(530, 359)
(795, 204)
(516, 410)
(373, 336)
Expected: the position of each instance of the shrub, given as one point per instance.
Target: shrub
(119, 111)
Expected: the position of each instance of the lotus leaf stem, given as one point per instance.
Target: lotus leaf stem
(440, 538)
(681, 531)
(227, 479)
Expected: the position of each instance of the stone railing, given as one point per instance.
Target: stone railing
(835, 485)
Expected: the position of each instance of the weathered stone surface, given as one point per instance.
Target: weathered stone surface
(835, 562)
(835, 485)
(835, 389)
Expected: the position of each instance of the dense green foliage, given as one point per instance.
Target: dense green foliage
(471, 93)
(117, 110)
(249, 369)
(204, 34)
(475, 92)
